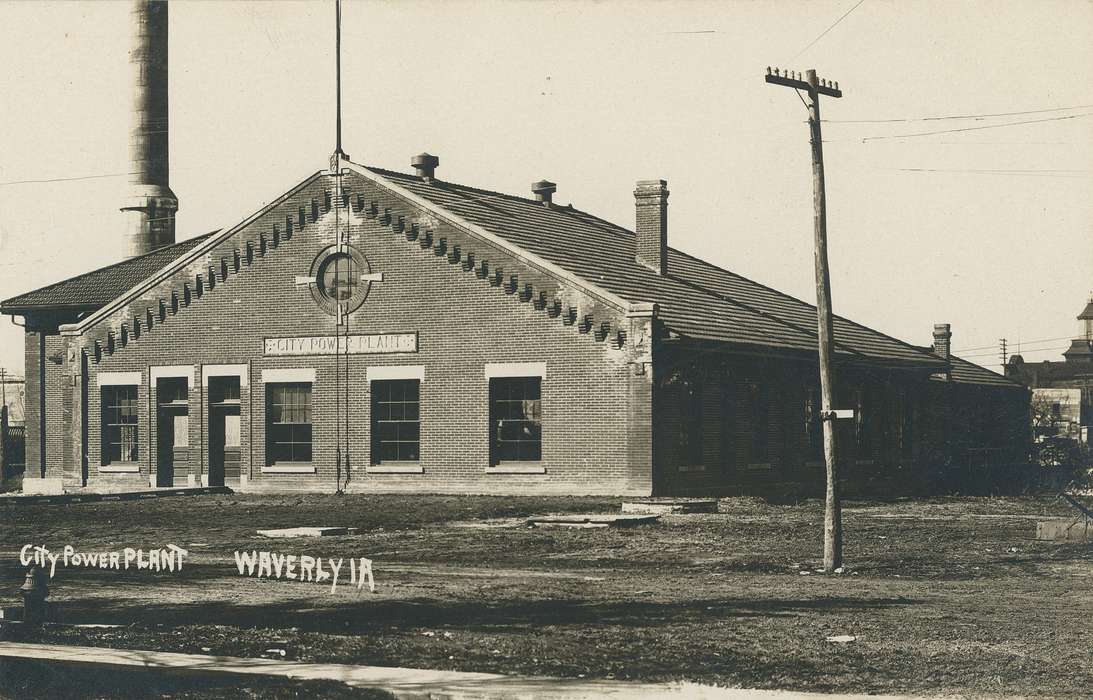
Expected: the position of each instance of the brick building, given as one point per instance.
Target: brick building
(381, 331)
(1062, 392)
(493, 343)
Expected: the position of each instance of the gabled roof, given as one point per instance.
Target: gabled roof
(696, 300)
(97, 288)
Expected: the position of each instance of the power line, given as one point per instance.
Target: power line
(63, 179)
(1024, 352)
(821, 36)
(1023, 342)
(976, 128)
(1063, 174)
(954, 116)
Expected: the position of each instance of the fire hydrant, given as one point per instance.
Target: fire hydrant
(35, 591)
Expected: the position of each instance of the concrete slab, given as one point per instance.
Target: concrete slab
(671, 506)
(400, 682)
(36, 486)
(92, 496)
(1065, 530)
(592, 520)
(310, 532)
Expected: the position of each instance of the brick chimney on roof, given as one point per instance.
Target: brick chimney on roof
(942, 340)
(151, 205)
(651, 241)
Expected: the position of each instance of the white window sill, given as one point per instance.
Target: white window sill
(517, 468)
(864, 462)
(691, 468)
(301, 468)
(815, 463)
(396, 468)
(119, 469)
(759, 467)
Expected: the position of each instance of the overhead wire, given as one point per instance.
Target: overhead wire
(975, 128)
(824, 32)
(1023, 343)
(955, 116)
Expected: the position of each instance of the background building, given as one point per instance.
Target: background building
(1062, 392)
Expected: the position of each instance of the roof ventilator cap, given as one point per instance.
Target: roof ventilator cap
(424, 165)
(544, 191)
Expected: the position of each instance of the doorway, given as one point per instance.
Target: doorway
(172, 429)
(224, 430)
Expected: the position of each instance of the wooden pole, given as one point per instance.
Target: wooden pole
(812, 88)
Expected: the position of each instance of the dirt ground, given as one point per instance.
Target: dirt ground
(944, 596)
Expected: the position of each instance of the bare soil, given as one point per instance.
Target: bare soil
(942, 596)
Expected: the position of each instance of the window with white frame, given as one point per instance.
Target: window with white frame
(396, 420)
(119, 424)
(288, 422)
(516, 419)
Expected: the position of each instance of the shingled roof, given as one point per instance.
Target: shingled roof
(696, 300)
(97, 288)
(964, 372)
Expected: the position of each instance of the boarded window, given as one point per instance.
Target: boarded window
(759, 418)
(689, 435)
(119, 424)
(516, 419)
(814, 429)
(288, 422)
(396, 421)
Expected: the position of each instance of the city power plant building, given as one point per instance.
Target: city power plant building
(374, 330)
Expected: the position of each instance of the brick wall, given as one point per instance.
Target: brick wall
(592, 401)
(33, 357)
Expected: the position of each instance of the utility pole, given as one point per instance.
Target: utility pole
(1002, 348)
(813, 87)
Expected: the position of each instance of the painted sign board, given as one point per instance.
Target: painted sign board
(352, 345)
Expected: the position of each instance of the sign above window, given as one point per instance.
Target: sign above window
(334, 345)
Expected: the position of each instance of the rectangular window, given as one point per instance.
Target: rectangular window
(172, 391)
(814, 427)
(288, 422)
(690, 423)
(905, 424)
(119, 424)
(861, 427)
(759, 417)
(396, 420)
(516, 419)
(223, 390)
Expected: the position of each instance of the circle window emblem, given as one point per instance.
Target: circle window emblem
(339, 279)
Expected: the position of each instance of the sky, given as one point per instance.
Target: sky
(987, 226)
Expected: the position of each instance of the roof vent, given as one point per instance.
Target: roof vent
(544, 191)
(424, 165)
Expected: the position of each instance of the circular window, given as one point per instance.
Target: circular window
(340, 279)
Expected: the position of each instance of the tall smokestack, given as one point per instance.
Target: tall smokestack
(151, 205)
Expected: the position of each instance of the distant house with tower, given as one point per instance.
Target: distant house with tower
(1062, 392)
(375, 330)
